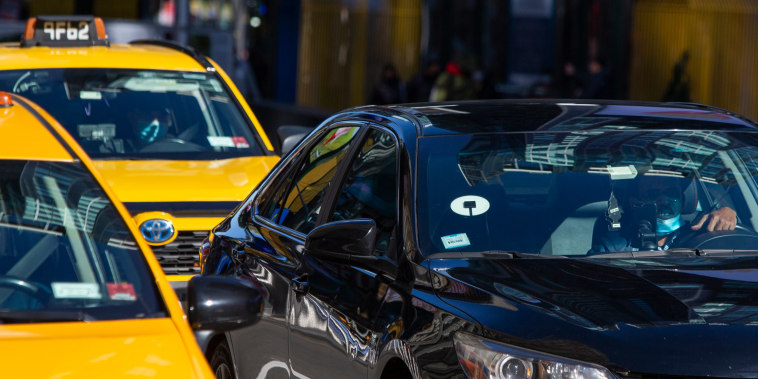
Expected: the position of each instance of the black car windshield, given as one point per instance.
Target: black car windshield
(140, 114)
(65, 252)
(591, 192)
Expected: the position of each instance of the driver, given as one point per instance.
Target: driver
(149, 125)
(653, 218)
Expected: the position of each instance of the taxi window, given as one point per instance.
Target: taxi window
(140, 114)
(65, 252)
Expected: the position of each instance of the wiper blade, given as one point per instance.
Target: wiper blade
(715, 252)
(677, 252)
(499, 254)
(120, 158)
(13, 316)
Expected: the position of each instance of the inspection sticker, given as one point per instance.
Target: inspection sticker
(121, 291)
(63, 290)
(240, 142)
(455, 240)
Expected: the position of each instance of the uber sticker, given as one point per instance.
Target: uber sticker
(63, 290)
(455, 240)
(470, 205)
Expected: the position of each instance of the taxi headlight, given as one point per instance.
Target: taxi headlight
(481, 358)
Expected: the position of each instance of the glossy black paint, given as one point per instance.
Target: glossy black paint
(327, 316)
(221, 303)
(346, 238)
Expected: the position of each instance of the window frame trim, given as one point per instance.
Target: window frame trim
(294, 164)
(336, 189)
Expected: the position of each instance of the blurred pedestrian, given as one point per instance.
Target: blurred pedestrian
(484, 86)
(389, 89)
(678, 88)
(566, 86)
(597, 82)
(453, 84)
(420, 86)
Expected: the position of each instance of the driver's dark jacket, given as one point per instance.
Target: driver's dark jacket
(613, 241)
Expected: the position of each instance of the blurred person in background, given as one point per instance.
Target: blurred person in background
(454, 83)
(597, 80)
(389, 89)
(420, 86)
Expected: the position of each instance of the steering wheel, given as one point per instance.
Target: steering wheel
(36, 291)
(171, 144)
(741, 238)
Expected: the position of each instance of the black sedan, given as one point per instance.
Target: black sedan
(501, 239)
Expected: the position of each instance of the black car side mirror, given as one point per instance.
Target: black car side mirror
(222, 303)
(349, 242)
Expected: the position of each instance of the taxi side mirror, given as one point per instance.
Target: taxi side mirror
(290, 136)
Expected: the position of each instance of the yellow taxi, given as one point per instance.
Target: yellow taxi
(163, 124)
(78, 286)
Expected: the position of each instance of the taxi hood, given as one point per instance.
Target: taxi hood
(176, 181)
(659, 315)
(108, 349)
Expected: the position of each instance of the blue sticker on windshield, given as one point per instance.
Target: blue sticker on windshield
(455, 240)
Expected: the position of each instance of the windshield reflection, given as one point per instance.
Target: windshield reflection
(66, 254)
(571, 192)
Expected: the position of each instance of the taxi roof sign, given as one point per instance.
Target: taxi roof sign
(65, 31)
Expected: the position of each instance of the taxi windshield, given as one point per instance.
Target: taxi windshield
(140, 114)
(66, 254)
(588, 193)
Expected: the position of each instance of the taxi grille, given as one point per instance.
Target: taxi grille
(180, 257)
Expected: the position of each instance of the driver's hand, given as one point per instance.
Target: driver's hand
(724, 218)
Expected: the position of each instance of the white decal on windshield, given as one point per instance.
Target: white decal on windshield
(63, 290)
(622, 172)
(221, 141)
(455, 240)
(470, 205)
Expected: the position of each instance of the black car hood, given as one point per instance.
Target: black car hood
(685, 316)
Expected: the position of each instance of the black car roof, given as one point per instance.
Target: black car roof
(492, 116)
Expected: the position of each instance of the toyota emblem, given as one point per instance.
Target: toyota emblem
(157, 230)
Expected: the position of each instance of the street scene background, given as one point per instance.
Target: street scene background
(297, 61)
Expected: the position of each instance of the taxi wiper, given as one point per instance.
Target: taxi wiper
(13, 316)
(119, 158)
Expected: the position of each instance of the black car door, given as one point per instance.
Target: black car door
(333, 305)
(284, 211)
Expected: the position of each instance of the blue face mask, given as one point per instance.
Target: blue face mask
(151, 131)
(667, 226)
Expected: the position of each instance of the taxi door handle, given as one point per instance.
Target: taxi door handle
(300, 284)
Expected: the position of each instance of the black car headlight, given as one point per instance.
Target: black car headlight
(486, 359)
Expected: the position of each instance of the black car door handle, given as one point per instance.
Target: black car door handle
(300, 284)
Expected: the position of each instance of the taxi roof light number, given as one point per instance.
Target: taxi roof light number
(65, 31)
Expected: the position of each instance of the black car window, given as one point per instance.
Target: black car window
(370, 189)
(300, 207)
